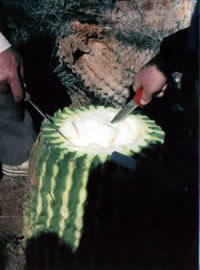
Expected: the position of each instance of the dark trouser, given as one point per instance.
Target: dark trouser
(17, 133)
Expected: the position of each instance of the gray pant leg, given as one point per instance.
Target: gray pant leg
(17, 133)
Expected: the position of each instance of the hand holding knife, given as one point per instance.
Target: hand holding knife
(129, 107)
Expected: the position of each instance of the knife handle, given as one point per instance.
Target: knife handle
(137, 98)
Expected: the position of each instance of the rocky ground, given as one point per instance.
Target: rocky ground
(11, 222)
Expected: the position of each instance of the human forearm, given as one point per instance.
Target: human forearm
(171, 55)
(172, 51)
(153, 77)
(161, 65)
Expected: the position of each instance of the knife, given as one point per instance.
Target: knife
(46, 117)
(129, 107)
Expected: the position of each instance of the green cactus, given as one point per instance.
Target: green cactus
(60, 168)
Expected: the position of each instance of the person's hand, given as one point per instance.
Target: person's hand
(12, 74)
(152, 81)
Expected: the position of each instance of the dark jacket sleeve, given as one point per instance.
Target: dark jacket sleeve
(173, 50)
(3, 19)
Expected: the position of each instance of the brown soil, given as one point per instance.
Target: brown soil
(11, 222)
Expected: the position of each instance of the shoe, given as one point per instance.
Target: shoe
(18, 170)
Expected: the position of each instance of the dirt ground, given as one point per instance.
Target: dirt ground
(11, 222)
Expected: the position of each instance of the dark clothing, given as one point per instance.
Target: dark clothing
(179, 52)
(16, 132)
(172, 51)
(3, 19)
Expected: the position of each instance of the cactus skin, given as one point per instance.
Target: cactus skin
(59, 195)
(58, 178)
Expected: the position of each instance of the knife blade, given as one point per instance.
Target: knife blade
(46, 117)
(129, 107)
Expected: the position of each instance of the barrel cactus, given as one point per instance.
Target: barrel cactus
(100, 59)
(60, 166)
